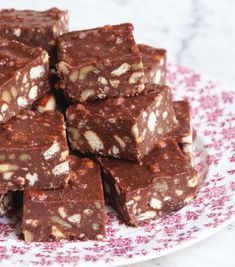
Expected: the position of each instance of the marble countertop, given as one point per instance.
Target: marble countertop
(197, 34)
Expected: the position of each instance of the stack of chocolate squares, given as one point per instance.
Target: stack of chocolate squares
(120, 119)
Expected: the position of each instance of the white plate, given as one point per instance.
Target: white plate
(214, 207)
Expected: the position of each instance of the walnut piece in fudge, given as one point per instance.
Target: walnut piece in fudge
(24, 73)
(34, 151)
(122, 127)
(46, 103)
(76, 212)
(100, 63)
(183, 133)
(52, 101)
(5, 202)
(154, 62)
(164, 183)
(34, 28)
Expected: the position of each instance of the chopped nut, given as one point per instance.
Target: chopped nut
(193, 181)
(73, 76)
(76, 218)
(155, 203)
(97, 205)
(7, 175)
(28, 236)
(144, 115)
(130, 202)
(8, 167)
(161, 186)
(187, 139)
(137, 66)
(99, 237)
(113, 150)
(114, 83)
(17, 32)
(137, 198)
(32, 222)
(121, 69)
(120, 141)
(164, 114)
(64, 155)
(6, 96)
(62, 212)
(81, 236)
(56, 232)
(179, 192)
(84, 71)
(32, 178)
(152, 121)
(167, 198)
(51, 151)
(37, 72)
(140, 88)
(102, 80)
(86, 94)
(95, 226)
(33, 92)
(24, 80)
(22, 101)
(74, 133)
(88, 212)
(135, 77)
(61, 168)
(4, 107)
(25, 157)
(147, 215)
(187, 148)
(63, 68)
(64, 224)
(47, 103)
(94, 141)
(188, 199)
(135, 130)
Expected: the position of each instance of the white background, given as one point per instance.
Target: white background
(197, 34)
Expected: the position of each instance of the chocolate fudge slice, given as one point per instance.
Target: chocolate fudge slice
(34, 28)
(75, 212)
(100, 63)
(154, 62)
(5, 202)
(35, 151)
(164, 183)
(24, 73)
(122, 127)
(183, 133)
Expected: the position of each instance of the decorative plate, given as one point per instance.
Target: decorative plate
(214, 207)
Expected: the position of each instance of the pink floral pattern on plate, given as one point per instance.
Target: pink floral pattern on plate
(214, 207)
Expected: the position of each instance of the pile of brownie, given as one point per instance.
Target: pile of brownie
(108, 96)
